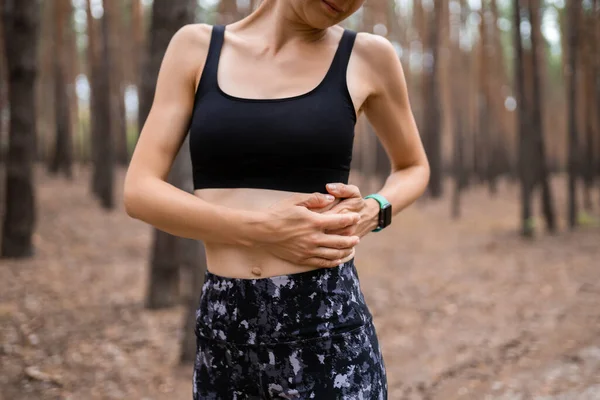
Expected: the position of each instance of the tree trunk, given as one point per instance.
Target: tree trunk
(137, 33)
(21, 24)
(371, 150)
(71, 72)
(420, 38)
(484, 148)
(500, 156)
(524, 127)
(376, 15)
(433, 139)
(458, 66)
(168, 17)
(589, 49)
(105, 162)
(538, 131)
(116, 74)
(197, 272)
(97, 125)
(596, 19)
(62, 158)
(458, 165)
(572, 74)
(45, 119)
(3, 100)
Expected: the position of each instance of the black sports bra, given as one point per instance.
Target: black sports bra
(296, 144)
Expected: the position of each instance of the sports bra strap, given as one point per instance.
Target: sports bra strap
(211, 66)
(346, 44)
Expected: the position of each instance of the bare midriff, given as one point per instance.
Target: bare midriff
(243, 262)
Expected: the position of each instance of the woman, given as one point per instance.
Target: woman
(270, 103)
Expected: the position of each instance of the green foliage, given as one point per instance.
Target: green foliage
(132, 136)
(530, 224)
(587, 220)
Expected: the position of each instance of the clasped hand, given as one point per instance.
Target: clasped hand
(317, 229)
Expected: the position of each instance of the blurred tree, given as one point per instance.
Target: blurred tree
(484, 134)
(45, 119)
(104, 142)
(98, 122)
(21, 25)
(196, 254)
(396, 31)
(228, 12)
(62, 156)
(137, 34)
(542, 175)
(573, 9)
(118, 124)
(524, 126)
(503, 157)
(432, 124)
(419, 40)
(71, 71)
(169, 253)
(374, 162)
(3, 90)
(459, 65)
(589, 49)
(489, 136)
(596, 20)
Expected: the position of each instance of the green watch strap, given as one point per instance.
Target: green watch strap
(382, 203)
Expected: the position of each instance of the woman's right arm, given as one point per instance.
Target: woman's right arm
(147, 194)
(293, 231)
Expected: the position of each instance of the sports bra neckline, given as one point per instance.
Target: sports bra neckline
(219, 30)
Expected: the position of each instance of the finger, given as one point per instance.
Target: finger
(326, 208)
(312, 200)
(337, 241)
(322, 262)
(336, 221)
(347, 231)
(347, 205)
(331, 254)
(343, 190)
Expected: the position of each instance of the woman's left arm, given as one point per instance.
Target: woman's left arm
(388, 109)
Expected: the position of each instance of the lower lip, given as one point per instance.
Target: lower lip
(331, 9)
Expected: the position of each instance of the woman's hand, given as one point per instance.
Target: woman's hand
(351, 200)
(291, 231)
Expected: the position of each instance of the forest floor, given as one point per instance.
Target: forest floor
(464, 309)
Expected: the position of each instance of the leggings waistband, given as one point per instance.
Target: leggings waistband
(284, 308)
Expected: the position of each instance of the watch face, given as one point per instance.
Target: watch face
(385, 216)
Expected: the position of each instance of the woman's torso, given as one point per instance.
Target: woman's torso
(246, 78)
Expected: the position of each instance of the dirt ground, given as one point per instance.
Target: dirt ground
(464, 309)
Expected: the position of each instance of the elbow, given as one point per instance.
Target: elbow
(129, 202)
(131, 198)
(426, 172)
(423, 166)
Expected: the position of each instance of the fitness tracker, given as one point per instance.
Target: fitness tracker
(385, 211)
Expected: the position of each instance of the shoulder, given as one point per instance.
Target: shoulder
(192, 36)
(375, 47)
(187, 50)
(378, 58)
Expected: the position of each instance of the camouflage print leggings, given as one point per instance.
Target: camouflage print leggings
(306, 335)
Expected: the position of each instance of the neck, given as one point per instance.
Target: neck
(279, 25)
